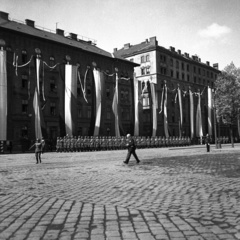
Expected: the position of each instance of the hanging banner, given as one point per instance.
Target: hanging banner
(97, 80)
(36, 102)
(136, 124)
(199, 132)
(165, 114)
(70, 99)
(191, 114)
(210, 111)
(115, 108)
(154, 109)
(3, 96)
(180, 110)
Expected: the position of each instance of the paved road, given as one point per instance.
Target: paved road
(172, 194)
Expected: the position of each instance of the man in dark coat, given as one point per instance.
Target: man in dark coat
(131, 149)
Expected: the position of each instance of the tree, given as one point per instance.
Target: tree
(227, 96)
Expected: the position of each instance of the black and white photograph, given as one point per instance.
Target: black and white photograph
(119, 120)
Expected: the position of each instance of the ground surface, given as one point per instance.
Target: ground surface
(182, 193)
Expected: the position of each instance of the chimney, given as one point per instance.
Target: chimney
(73, 36)
(153, 41)
(208, 63)
(30, 22)
(179, 52)
(4, 15)
(115, 50)
(127, 46)
(146, 41)
(60, 32)
(172, 49)
(186, 55)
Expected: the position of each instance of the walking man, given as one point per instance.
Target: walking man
(131, 149)
(207, 142)
(38, 149)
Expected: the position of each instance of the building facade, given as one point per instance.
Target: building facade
(172, 70)
(37, 59)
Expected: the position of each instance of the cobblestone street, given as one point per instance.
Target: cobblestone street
(181, 193)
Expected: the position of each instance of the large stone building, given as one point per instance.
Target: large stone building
(159, 65)
(23, 43)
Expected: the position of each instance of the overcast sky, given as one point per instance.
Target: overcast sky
(208, 28)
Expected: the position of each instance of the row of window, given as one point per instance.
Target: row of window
(25, 58)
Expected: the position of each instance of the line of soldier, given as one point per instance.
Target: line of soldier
(92, 143)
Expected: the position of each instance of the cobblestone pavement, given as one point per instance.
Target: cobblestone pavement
(172, 194)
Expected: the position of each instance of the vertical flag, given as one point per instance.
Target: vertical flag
(3, 95)
(36, 103)
(136, 124)
(209, 111)
(191, 113)
(115, 108)
(199, 132)
(180, 110)
(70, 108)
(97, 80)
(154, 109)
(165, 114)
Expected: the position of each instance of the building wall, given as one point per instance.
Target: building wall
(20, 118)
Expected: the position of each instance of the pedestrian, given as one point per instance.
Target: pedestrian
(131, 149)
(38, 150)
(207, 142)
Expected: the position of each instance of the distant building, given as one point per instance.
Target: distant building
(24, 43)
(158, 64)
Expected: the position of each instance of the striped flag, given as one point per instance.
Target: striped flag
(165, 115)
(3, 96)
(97, 80)
(154, 109)
(115, 108)
(191, 113)
(180, 110)
(210, 104)
(136, 124)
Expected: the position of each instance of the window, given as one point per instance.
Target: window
(183, 66)
(108, 92)
(163, 71)
(148, 70)
(142, 71)
(79, 113)
(52, 85)
(24, 81)
(188, 78)
(177, 64)
(89, 112)
(194, 69)
(199, 71)
(171, 73)
(146, 101)
(162, 58)
(171, 62)
(88, 90)
(188, 67)
(203, 72)
(52, 61)
(199, 81)
(24, 106)
(142, 59)
(53, 109)
(177, 75)
(195, 79)
(24, 56)
(147, 58)
(108, 113)
(183, 76)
